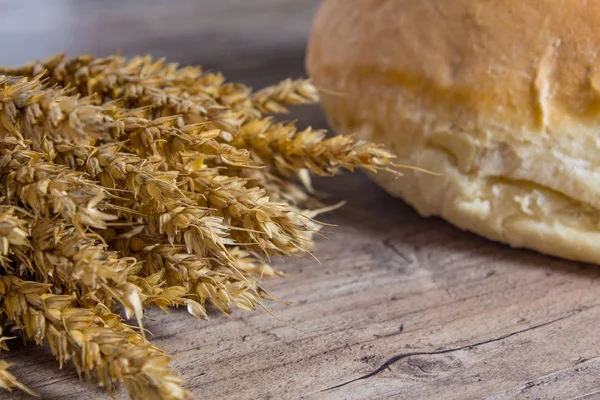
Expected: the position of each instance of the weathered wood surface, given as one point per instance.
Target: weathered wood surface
(401, 306)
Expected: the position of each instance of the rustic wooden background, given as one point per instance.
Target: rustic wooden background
(401, 306)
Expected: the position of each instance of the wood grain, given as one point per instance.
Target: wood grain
(400, 306)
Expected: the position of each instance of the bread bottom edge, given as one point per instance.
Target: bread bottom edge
(519, 214)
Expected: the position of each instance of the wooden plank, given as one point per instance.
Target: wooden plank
(401, 306)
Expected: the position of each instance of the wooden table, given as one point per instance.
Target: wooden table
(401, 306)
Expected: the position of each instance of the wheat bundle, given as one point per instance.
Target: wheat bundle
(129, 183)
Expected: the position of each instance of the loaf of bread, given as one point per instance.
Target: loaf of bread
(502, 98)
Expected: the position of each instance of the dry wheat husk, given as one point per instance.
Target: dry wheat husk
(135, 183)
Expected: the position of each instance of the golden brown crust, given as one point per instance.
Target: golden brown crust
(510, 60)
(502, 97)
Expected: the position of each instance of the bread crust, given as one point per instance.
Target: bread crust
(500, 97)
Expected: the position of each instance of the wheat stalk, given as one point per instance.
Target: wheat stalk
(45, 188)
(287, 151)
(274, 99)
(97, 342)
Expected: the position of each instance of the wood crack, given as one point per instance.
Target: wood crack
(417, 366)
(390, 245)
(402, 356)
(399, 331)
